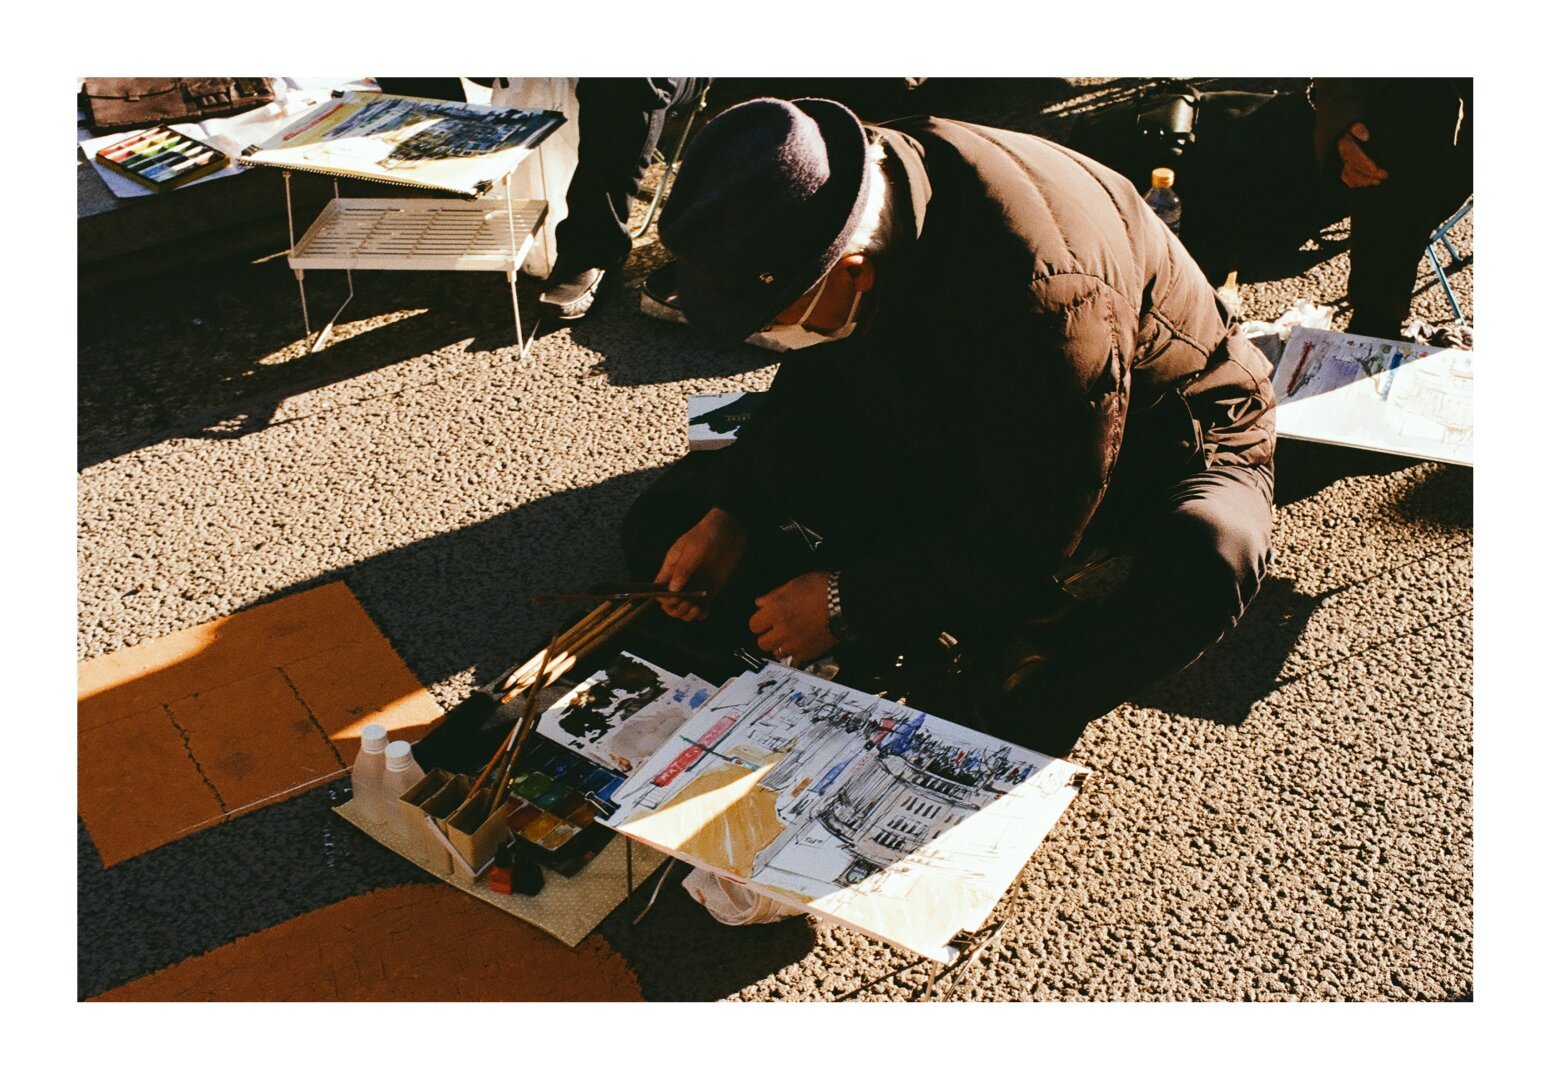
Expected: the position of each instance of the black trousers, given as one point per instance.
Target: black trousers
(620, 122)
(1201, 548)
(1424, 141)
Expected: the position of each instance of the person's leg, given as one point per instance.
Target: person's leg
(1422, 135)
(1199, 562)
(1390, 227)
(620, 122)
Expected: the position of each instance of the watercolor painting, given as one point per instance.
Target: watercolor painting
(1397, 397)
(631, 742)
(587, 717)
(899, 823)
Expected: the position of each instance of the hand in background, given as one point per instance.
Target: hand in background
(1358, 170)
(793, 620)
(705, 558)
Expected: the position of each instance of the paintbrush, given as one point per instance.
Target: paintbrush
(530, 714)
(526, 671)
(590, 640)
(507, 754)
(644, 592)
(462, 729)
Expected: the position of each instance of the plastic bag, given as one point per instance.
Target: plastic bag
(732, 903)
(557, 157)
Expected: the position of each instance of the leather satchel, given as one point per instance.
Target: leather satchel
(121, 104)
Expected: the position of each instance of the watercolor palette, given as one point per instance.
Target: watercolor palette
(557, 799)
(161, 159)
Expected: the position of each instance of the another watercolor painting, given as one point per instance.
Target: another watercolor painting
(1396, 397)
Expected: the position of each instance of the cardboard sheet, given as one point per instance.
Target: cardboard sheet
(192, 729)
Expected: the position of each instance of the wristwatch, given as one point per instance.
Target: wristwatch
(837, 621)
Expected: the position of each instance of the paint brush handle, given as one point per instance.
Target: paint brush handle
(608, 628)
(525, 673)
(529, 717)
(628, 594)
(505, 754)
(580, 645)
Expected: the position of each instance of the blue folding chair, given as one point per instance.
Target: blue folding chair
(1442, 236)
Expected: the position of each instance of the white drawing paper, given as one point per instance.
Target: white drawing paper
(901, 824)
(716, 419)
(1396, 397)
(587, 717)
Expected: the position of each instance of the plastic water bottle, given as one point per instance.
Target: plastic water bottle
(403, 772)
(1163, 200)
(366, 775)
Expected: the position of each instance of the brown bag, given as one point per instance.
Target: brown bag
(120, 104)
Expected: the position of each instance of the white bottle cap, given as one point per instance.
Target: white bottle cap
(399, 757)
(374, 737)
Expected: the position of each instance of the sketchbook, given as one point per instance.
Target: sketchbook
(439, 145)
(899, 824)
(1396, 397)
(716, 419)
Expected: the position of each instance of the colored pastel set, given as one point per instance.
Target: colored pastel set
(161, 158)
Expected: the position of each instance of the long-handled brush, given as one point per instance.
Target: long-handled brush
(467, 733)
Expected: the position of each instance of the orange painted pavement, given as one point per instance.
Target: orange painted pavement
(184, 732)
(408, 943)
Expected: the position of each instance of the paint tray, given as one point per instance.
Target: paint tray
(161, 158)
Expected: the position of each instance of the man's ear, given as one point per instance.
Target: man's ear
(861, 271)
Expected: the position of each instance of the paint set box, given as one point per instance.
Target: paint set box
(161, 158)
(556, 802)
(557, 799)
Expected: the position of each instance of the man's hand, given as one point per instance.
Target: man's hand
(793, 621)
(1358, 170)
(704, 557)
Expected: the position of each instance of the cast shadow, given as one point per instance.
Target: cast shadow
(680, 953)
(1225, 684)
(1304, 469)
(634, 349)
(1443, 496)
(215, 353)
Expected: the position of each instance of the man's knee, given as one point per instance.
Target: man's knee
(1221, 552)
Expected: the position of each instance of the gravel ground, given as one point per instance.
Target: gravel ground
(1289, 819)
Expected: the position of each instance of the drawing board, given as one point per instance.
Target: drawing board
(900, 824)
(443, 145)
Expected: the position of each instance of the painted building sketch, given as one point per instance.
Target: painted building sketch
(600, 707)
(1393, 396)
(903, 825)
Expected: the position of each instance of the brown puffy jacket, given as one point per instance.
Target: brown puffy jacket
(1043, 343)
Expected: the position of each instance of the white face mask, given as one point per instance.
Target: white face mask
(797, 336)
